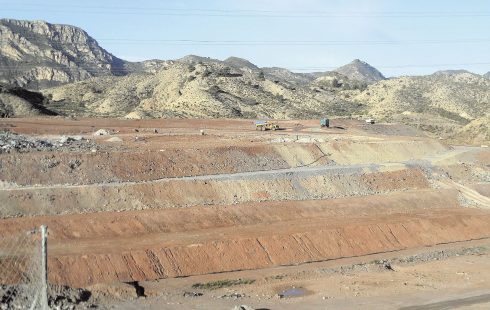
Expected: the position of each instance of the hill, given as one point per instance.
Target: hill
(476, 131)
(487, 75)
(241, 63)
(19, 102)
(89, 81)
(441, 103)
(361, 71)
(197, 87)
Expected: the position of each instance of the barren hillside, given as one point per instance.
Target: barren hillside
(16, 101)
(198, 87)
(441, 103)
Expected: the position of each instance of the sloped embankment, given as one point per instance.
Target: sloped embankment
(78, 168)
(302, 184)
(153, 244)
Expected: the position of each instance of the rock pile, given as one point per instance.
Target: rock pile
(14, 142)
(59, 297)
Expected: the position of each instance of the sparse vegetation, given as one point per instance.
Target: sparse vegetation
(214, 285)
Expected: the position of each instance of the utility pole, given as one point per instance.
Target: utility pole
(44, 267)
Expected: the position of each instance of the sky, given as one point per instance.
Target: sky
(399, 37)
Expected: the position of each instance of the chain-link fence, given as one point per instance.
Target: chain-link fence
(23, 270)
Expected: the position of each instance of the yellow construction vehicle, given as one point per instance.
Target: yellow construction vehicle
(266, 125)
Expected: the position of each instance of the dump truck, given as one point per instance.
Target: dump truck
(266, 125)
(324, 122)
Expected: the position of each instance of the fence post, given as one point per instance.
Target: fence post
(44, 267)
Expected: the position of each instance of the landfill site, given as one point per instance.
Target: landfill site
(217, 214)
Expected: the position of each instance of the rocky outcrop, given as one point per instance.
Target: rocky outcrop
(37, 54)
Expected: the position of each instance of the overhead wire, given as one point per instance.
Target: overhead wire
(254, 42)
(193, 12)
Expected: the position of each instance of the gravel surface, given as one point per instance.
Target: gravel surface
(12, 142)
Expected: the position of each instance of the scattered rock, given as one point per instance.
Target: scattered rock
(102, 132)
(233, 295)
(59, 297)
(10, 141)
(69, 139)
(192, 294)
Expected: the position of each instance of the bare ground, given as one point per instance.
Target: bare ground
(164, 202)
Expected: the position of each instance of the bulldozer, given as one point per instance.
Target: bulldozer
(266, 125)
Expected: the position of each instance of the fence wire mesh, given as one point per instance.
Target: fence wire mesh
(21, 275)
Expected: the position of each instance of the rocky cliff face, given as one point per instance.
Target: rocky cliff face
(37, 54)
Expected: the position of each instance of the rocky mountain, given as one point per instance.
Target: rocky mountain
(448, 104)
(361, 71)
(89, 81)
(37, 54)
(487, 75)
(19, 102)
(197, 87)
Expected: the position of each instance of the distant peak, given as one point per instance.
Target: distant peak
(240, 62)
(451, 72)
(361, 71)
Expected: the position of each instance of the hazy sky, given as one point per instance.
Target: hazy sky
(397, 36)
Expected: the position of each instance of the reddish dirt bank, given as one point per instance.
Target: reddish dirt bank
(146, 245)
(310, 241)
(49, 168)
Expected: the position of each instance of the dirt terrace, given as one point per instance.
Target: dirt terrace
(166, 201)
(147, 245)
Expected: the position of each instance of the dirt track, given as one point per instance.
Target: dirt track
(175, 203)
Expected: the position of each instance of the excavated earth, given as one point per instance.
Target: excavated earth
(177, 198)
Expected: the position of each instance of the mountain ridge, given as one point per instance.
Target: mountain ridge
(38, 54)
(450, 103)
